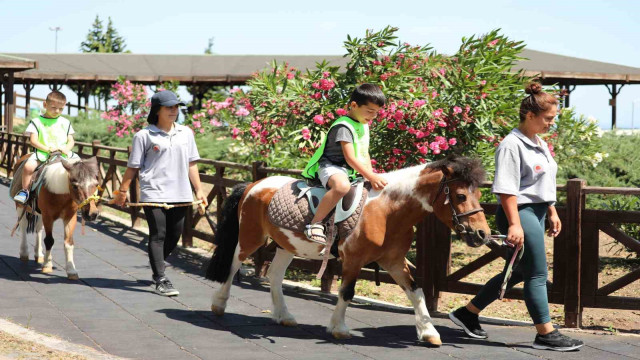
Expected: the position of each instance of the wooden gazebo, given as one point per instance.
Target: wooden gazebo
(9, 65)
(200, 72)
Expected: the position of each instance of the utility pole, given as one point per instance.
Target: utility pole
(56, 29)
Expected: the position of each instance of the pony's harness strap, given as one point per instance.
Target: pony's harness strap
(95, 197)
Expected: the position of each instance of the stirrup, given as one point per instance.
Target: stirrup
(308, 232)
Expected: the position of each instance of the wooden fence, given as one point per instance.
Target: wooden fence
(572, 284)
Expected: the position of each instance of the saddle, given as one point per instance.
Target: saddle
(37, 180)
(294, 205)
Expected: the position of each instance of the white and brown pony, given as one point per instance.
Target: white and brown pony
(65, 186)
(448, 188)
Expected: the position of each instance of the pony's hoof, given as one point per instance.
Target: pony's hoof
(341, 335)
(73, 277)
(288, 322)
(432, 341)
(39, 260)
(217, 310)
(24, 258)
(47, 269)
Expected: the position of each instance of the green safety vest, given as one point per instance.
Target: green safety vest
(360, 133)
(51, 133)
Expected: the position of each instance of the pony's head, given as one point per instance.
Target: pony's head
(83, 182)
(456, 200)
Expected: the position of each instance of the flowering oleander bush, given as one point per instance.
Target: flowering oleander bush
(130, 113)
(436, 104)
(575, 141)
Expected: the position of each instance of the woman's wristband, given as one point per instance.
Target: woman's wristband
(123, 191)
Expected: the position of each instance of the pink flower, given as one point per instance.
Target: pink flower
(442, 123)
(341, 112)
(437, 112)
(391, 125)
(423, 150)
(255, 124)
(457, 109)
(419, 103)
(442, 71)
(493, 43)
(398, 115)
(234, 90)
(434, 94)
(330, 116)
(396, 151)
(201, 130)
(483, 82)
(290, 76)
(235, 132)
(306, 134)
(242, 112)
(215, 122)
(453, 141)
(377, 62)
(374, 162)
(197, 125)
(325, 74)
(318, 119)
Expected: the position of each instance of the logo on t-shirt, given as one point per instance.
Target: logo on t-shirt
(537, 168)
(156, 148)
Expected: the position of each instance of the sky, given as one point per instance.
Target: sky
(607, 31)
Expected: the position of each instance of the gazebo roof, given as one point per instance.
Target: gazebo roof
(237, 69)
(15, 63)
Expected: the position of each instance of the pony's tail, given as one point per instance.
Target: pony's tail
(226, 238)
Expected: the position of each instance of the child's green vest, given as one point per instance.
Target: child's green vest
(52, 133)
(360, 133)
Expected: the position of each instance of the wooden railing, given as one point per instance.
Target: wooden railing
(573, 285)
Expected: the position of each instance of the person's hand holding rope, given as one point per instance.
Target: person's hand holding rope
(120, 197)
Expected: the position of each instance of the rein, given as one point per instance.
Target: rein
(455, 217)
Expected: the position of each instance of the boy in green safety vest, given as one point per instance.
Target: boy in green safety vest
(48, 133)
(343, 154)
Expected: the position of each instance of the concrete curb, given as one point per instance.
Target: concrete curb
(52, 342)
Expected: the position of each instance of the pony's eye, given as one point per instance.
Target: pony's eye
(461, 197)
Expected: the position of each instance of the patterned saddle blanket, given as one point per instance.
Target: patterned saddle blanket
(294, 205)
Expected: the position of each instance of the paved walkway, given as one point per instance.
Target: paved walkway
(113, 309)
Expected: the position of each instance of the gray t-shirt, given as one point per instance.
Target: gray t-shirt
(333, 149)
(163, 159)
(525, 169)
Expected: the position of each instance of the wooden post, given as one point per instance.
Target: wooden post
(27, 98)
(572, 300)
(10, 102)
(329, 277)
(187, 230)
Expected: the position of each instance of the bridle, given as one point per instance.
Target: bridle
(455, 217)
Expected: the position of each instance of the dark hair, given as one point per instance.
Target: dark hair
(56, 95)
(537, 101)
(152, 118)
(463, 168)
(368, 93)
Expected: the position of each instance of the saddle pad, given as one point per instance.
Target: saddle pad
(289, 211)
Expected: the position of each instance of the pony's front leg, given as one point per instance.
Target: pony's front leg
(69, 226)
(279, 265)
(24, 246)
(337, 327)
(38, 253)
(399, 271)
(47, 267)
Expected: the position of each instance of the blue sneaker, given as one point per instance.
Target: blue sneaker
(21, 197)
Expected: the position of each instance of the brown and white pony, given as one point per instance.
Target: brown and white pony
(66, 185)
(448, 188)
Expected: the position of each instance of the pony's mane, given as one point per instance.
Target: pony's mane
(466, 169)
(56, 177)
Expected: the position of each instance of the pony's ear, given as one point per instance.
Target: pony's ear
(67, 165)
(446, 171)
(91, 161)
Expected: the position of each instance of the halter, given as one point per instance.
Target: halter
(455, 217)
(95, 197)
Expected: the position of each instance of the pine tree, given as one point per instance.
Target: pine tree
(113, 43)
(95, 38)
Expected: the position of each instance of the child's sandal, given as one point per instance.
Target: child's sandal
(315, 233)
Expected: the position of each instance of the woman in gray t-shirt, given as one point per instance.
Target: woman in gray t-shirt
(525, 182)
(164, 155)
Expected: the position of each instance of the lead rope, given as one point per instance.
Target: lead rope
(517, 253)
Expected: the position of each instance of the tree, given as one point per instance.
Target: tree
(99, 40)
(95, 38)
(209, 49)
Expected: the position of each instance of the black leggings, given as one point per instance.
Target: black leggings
(165, 229)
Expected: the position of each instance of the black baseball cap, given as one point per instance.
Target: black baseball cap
(165, 98)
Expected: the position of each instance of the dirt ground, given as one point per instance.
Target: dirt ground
(613, 264)
(12, 347)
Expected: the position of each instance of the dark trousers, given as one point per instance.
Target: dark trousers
(165, 229)
(532, 269)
